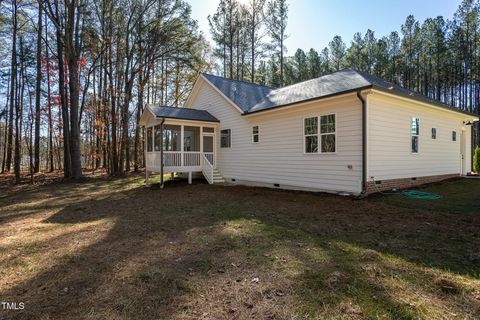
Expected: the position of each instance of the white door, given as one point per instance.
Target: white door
(209, 147)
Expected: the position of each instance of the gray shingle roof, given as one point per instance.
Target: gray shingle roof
(243, 94)
(182, 113)
(255, 98)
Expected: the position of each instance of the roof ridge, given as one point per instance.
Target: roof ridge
(236, 80)
(328, 74)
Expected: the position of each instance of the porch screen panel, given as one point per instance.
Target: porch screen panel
(149, 139)
(191, 138)
(207, 144)
(157, 138)
(171, 138)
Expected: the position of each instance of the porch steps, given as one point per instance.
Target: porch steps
(217, 177)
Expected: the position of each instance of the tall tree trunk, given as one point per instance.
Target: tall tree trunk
(4, 159)
(141, 86)
(49, 105)
(72, 53)
(67, 163)
(13, 81)
(18, 119)
(37, 91)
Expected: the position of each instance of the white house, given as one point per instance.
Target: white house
(344, 132)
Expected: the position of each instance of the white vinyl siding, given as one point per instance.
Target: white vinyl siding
(279, 158)
(389, 139)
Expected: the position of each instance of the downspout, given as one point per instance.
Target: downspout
(161, 153)
(364, 143)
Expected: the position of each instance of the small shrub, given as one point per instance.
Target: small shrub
(476, 160)
(145, 276)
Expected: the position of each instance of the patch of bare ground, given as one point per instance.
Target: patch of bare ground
(116, 249)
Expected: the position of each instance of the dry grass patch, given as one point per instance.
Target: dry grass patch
(115, 249)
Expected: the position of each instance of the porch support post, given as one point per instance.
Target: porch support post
(147, 177)
(189, 177)
(181, 144)
(201, 141)
(161, 153)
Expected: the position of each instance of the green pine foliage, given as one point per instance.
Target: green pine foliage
(476, 160)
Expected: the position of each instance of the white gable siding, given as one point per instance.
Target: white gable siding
(389, 140)
(279, 157)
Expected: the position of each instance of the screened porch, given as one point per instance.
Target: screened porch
(184, 147)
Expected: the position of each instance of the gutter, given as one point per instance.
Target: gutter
(364, 142)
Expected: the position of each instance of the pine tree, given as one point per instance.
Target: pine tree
(277, 18)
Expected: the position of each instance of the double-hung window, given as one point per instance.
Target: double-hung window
(255, 134)
(310, 129)
(320, 134)
(415, 130)
(225, 138)
(328, 133)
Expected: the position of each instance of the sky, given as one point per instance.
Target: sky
(313, 23)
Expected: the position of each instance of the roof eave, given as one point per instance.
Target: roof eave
(187, 119)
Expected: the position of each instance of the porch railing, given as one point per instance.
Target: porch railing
(210, 156)
(191, 158)
(207, 169)
(172, 158)
(175, 159)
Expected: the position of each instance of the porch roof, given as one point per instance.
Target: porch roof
(181, 113)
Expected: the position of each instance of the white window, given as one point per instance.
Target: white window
(320, 134)
(225, 138)
(415, 129)
(434, 133)
(328, 133)
(454, 135)
(310, 133)
(255, 134)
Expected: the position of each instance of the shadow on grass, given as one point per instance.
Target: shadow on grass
(193, 251)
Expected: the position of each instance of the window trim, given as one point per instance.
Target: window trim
(319, 134)
(256, 134)
(310, 135)
(229, 147)
(414, 135)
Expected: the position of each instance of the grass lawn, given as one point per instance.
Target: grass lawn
(116, 249)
